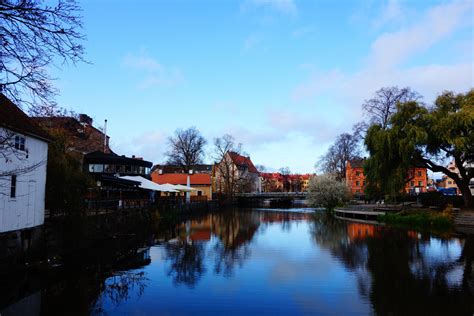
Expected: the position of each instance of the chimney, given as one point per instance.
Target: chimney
(86, 119)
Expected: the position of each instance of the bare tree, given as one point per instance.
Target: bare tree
(35, 36)
(346, 147)
(381, 107)
(186, 148)
(230, 179)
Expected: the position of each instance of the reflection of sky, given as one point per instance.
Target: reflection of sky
(286, 273)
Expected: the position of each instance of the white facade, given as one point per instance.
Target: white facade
(23, 168)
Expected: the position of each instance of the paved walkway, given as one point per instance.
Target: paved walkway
(464, 222)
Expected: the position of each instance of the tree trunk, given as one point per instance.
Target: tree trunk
(466, 195)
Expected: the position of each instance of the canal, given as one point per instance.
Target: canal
(253, 262)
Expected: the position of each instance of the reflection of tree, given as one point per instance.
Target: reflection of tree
(187, 265)
(235, 230)
(120, 285)
(394, 271)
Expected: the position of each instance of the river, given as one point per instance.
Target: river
(260, 261)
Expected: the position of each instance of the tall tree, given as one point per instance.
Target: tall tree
(425, 137)
(346, 147)
(228, 175)
(34, 36)
(381, 107)
(186, 148)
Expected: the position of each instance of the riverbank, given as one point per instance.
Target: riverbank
(420, 219)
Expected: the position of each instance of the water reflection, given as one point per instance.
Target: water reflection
(402, 272)
(266, 261)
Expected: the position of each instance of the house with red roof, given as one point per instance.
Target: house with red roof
(236, 173)
(200, 182)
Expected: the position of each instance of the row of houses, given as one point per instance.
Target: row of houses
(417, 178)
(119, 180)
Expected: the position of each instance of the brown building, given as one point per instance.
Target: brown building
(417, 178)
(82, 136)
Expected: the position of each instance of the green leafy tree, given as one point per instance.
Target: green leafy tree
(66, 183)
(425, 137)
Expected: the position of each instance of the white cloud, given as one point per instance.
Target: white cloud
(391, 49)
(390, 12)
(383, 65)
(150, 145)
(251, 41)
(287, 7)
(153, 73)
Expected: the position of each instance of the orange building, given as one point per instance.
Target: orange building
(277, 182)
(355, 179)
(201, 182)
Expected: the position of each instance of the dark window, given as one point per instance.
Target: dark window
(419, 173)
(413, 183)
(357, 173)
(20, 143)
(363, 183)
(199, 193)
(357, 183)
(420, 183)
(13, 186)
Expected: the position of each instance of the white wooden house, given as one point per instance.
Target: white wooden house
(23, 158)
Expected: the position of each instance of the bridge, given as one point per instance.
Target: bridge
(274, 198)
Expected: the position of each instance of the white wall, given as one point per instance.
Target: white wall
(27, 208)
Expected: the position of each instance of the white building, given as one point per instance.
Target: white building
(23, 158)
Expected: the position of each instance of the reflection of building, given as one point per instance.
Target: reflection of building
(23, 158)
(200, 182)
(417, 178)
(361, 231)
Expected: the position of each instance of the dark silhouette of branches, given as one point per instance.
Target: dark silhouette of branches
(35, 36)
(384, 103)
(186, 148)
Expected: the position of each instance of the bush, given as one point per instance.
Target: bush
(420, 220)
(327, 192)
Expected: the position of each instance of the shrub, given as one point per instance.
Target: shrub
(327, 192)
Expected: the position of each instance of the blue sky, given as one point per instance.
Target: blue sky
(284, 77)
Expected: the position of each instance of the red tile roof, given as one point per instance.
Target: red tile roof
(13, 118)
(181, 178)
(242, 161)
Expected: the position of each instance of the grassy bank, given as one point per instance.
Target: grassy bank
(420, 219)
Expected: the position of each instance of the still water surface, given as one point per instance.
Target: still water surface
(280, 262)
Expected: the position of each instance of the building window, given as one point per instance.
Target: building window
(420, 183)
(357, 173)
(357, 183)
(96, 168)
(412, 183)
(419, 173)
(199, 193)
(13, 186)
(363, 183)
(20, 142)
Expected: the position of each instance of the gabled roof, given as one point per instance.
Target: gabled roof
(13, 118)
(243, 162)
(181, 178)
